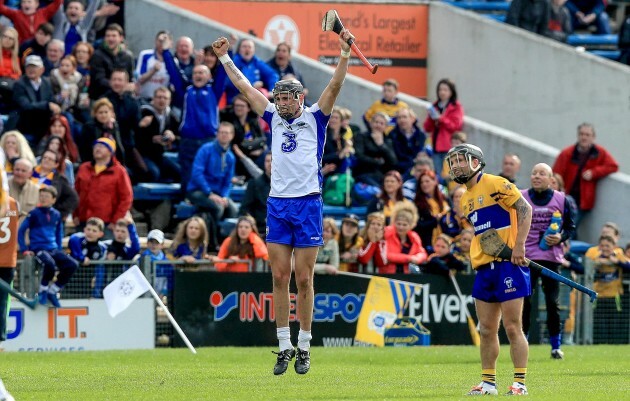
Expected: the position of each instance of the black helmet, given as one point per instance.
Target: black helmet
(469, 152)
(290, 86)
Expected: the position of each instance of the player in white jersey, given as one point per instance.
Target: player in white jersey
(294, 208)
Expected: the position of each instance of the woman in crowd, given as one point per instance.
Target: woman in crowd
(64, 165)
(391, 194)
(244, 243)
(403, 245)
(67, 84)
(15, 147)
(328, 254)
(432, 205)
(10, 61)
(104, 124)
(191, 240)
(47, 173)
(373, 255)
(349, 244)
(60, 127)
(338, 147)
(83, 52)
(445, 116)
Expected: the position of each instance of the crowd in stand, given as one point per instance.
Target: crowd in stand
(84, 119)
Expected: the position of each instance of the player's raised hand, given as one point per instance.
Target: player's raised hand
(221, 46)
(344, 37)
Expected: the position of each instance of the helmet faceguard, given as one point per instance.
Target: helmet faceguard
(293, 89)
(460, 162)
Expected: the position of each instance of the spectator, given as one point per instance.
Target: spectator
(47, 174)
(200, 118)
(103, 125)
(350, 242)
(103, 186)
(391, 195)
(211, 180)
(248, 134)
(373, 253)
(107, 58)
(327, 261)
(421, 164)
(184, 53)
(454, 221)
(403, 245)
(510, 167)
(10, 69)
(544, 202)
(581, 166)
(408, 139)
(29, 16)
(338, 149)
(586, 13)
(64, 166)
(45, 231)
(442, 261)
(86, 246)
(34, 97)
(73, 25)
(282, 65)
(559, 27)
(156, 134)
(610, 322)
(37, 45)
(60, 127)
(445, 117)
(374, 152)
(259, 73)
(22, 189)
(164, 274)
(83, 52)
(54, 53)
(127, 113)
(531, 15)
(151, 71)
(557, 183)
(67, 84)
(389, 105)
(254, 202)
(432, 205)
(126, 244)
(458, 138)
(191, 240)
(242, 244)
(15, 146)
(461, 247)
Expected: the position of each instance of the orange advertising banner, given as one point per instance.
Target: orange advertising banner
(394, 36)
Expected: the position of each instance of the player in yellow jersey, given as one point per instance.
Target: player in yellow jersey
(500, 285)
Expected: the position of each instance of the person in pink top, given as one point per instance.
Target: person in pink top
(402, 243)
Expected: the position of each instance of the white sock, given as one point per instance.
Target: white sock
(54, 288)
(304, 340)
(43, 288)
(284, 338)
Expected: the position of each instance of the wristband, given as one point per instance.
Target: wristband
(225, 59)
(345, 54)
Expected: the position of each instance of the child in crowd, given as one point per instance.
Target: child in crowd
(349, 244)
(45, 228)
(86, 246)
(461, 247)
(244, 243)
(327, 261)
(126, 244)
(164, 274)
(373, 253)
(191, 240)
(442, 261)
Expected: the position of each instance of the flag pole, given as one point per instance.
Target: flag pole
(172, 320)
(369, 277)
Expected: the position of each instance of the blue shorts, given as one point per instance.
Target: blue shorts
(295, 221)
(501, 281)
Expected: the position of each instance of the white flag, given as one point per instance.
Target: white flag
(121, 292)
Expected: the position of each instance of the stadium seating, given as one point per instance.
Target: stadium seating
(590, 40)
(155, 191)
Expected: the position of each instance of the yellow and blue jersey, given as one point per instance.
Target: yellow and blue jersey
(488, 204)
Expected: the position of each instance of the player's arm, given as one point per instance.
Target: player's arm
(523, 221)
(329, 95)
(257, 100)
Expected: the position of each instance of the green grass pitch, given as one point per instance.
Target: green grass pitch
(436, 373)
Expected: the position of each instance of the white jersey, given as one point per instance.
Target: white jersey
(297, 148)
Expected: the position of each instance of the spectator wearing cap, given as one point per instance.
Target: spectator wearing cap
(103, 186)
(350, 243)
(163, 283)
(33, 96)
(110, 56)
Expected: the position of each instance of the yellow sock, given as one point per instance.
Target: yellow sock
(519, 375)
(489, 376)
